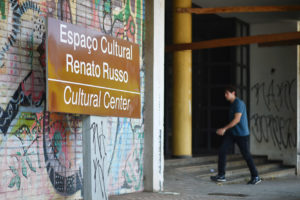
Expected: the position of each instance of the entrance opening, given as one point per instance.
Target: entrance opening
(214, 69)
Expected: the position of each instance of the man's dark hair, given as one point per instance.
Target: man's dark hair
(230, 88)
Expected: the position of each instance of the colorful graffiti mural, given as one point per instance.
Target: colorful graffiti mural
(61, 141)
(41, 152)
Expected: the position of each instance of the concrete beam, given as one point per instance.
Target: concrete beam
(239, 9)
(236, 41)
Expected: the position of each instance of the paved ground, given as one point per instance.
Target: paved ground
(184, 187)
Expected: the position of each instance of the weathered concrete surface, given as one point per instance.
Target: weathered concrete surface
(183, 186)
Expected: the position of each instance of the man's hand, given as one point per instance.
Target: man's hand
(221, 131)
(235, 121)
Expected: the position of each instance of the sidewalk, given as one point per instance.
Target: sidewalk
(180, 186)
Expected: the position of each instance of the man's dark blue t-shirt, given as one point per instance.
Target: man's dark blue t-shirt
(241, 129)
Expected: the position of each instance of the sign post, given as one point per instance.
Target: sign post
(97, 75)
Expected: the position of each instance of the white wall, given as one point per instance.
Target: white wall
(273, 107)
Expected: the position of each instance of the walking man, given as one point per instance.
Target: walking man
(236, 131)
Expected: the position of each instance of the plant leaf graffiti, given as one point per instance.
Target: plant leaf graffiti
(28, 133)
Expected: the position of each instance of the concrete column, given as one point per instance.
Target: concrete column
(94, 159)
(298, 106)
(182, 73)
(154, 95)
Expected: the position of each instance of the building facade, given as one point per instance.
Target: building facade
(41, 152)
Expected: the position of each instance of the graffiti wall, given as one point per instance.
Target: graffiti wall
(41, 152)
(273, 116)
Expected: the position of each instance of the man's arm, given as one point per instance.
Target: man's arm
(235, 121)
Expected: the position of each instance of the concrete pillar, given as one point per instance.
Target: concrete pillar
(298, 106)
(154, 95)
(94, 159)
(182, 73)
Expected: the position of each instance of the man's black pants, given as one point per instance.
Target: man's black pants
(243, 144)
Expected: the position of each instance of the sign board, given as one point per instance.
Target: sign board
(91, 73)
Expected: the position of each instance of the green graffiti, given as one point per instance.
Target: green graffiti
(127, 10)
(139, 24)
(24, 168)
(141, 168)
(128, 179)
(27, 128)
(57, 143)
(24, 157)
(30, 164)
(16, 180)
(30, 45)
(26, 119)
(107, 6)
(124, 15)
(2, 9)
(119, 16)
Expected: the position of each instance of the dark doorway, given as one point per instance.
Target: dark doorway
(213, 69)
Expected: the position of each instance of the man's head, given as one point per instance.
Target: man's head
(230, 93)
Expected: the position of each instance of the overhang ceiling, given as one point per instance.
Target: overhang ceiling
(254, 18)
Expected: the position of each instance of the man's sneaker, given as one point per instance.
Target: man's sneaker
(255, 180)
(218, 178)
